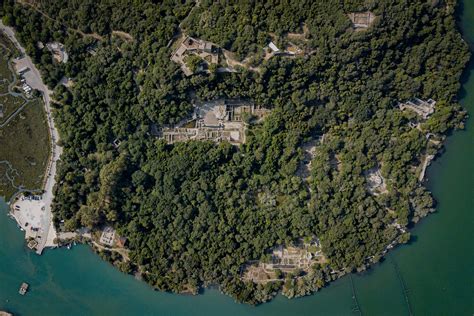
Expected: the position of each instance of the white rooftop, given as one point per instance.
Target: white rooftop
(273, 47)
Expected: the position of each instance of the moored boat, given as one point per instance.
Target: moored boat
(23, 288)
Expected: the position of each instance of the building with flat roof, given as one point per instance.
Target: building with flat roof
(273, 47)
(218, 120)
(107, 237)
(420, 107)
(361, 20)
(208, 52)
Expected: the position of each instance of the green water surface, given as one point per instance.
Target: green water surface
(433, 275)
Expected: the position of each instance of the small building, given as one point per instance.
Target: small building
(420, 107)
(67, 82)
(273, 47)
(32, 244)
(121, 241)
(107, 237)
(117, 142)
(361, 20)
(22, 70)
(190, 43)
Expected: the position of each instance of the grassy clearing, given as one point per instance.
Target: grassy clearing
(25, 144)
(6, 174)
(9, 104)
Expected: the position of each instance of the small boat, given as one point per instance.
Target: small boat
(68, 246)
(23, 288)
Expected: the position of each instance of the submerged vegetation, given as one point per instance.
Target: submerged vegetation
(195, 213)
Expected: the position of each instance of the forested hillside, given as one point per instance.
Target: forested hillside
(194, 213)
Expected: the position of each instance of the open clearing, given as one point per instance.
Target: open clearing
(25, 146)
(24, 137)
(9, 100)
(8, 105)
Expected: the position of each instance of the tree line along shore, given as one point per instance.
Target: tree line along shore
(195, 213)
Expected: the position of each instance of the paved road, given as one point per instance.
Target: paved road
(35, 81)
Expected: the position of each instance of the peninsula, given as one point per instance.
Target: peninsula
(263, 147)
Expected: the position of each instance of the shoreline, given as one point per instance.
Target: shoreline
(47, 233)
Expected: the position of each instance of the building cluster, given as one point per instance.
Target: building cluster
(361, 20)
(290, 50)
(287, 259)
(220, 120)
(207, 51)
(58, 51)
(420, 107)
(210, 54)
(216, 134)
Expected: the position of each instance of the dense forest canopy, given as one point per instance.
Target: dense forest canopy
(193, 212)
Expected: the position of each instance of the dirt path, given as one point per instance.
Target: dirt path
(198, 3)
(299, 36)
(122, 251)
(93, 35)
(232, 62)
(179, 32)
(123, 35)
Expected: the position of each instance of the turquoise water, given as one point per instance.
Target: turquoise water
(78, 282)
(433, 275)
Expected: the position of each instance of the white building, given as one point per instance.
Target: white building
(273, 47)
